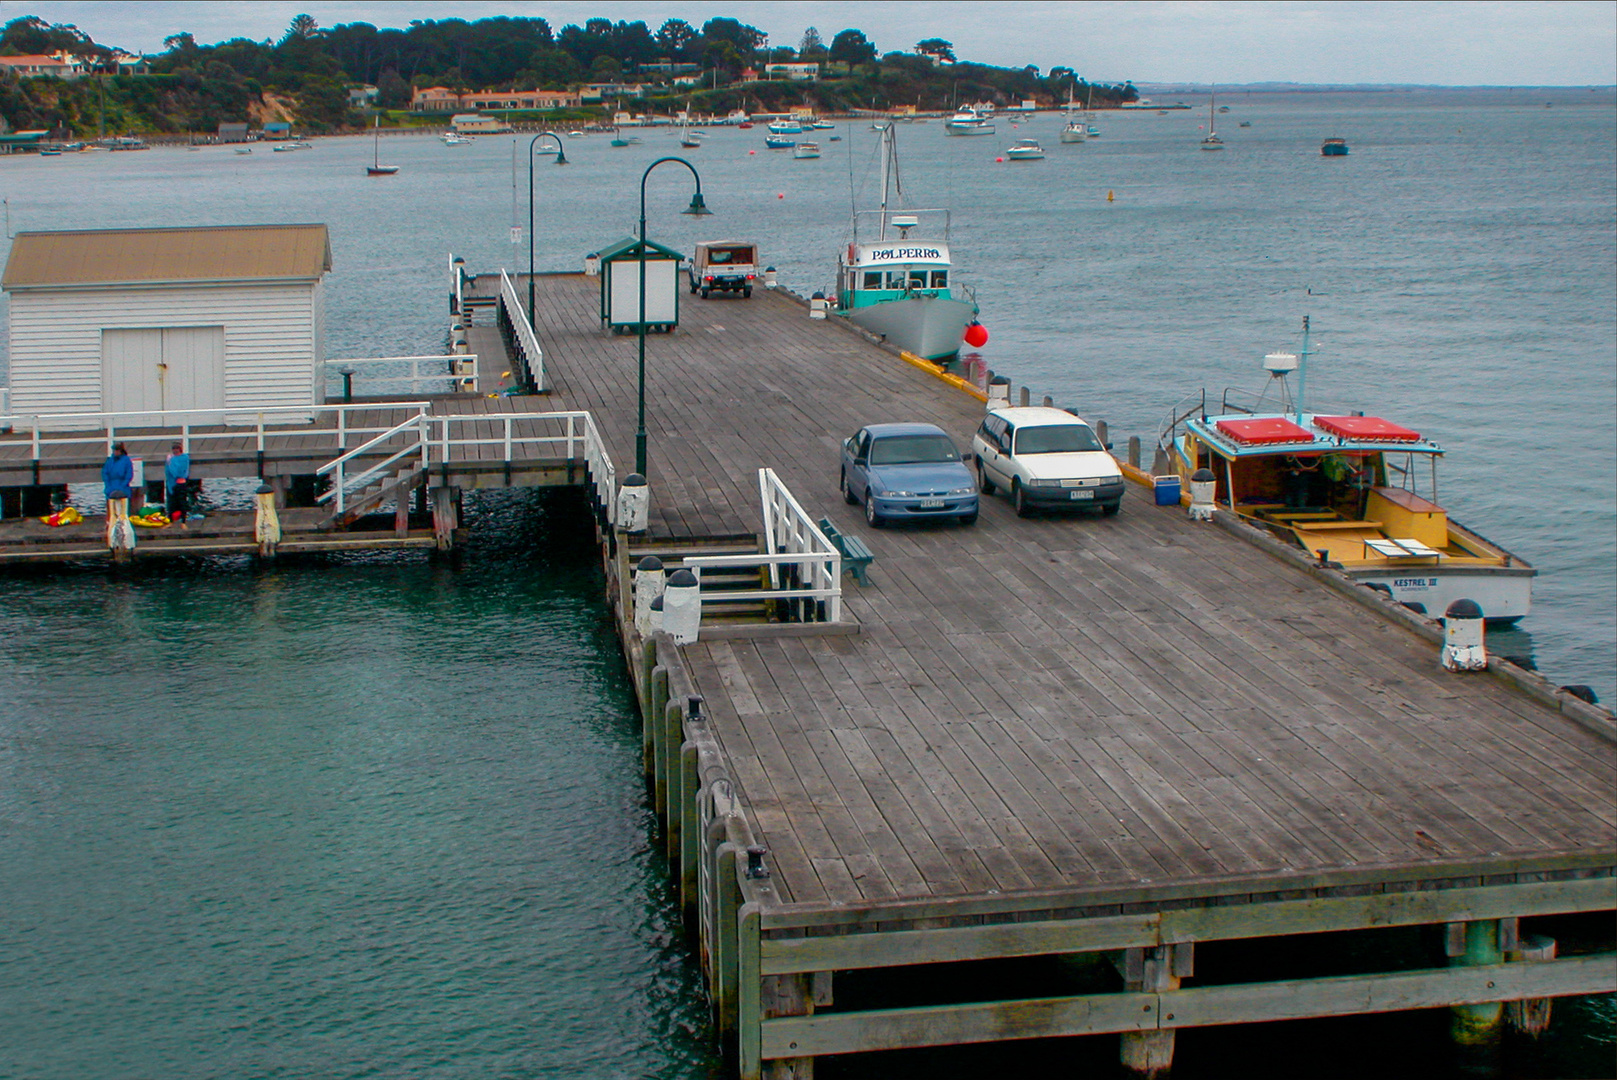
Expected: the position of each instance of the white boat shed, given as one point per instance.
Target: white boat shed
(152, 320)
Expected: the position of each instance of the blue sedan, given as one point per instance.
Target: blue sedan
(907, 472)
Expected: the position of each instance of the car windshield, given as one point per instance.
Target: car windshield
(912, 450)
(1056, 439)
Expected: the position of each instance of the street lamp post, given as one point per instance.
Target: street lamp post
(697, 208)
(561, 159)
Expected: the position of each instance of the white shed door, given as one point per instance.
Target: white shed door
(163, 369)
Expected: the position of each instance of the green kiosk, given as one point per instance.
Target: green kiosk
(620, 286)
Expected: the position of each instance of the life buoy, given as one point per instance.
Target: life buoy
(850, 254)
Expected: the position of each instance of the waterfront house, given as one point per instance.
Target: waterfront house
(147, 320)
(61, 66)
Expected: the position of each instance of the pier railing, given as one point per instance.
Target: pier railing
(525, 350)
(508, 437)
(43, 431)
(457, 370)
(804, 569)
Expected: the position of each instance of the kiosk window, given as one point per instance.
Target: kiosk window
(940, 279)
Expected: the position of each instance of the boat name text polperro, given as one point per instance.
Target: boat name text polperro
(898, 254)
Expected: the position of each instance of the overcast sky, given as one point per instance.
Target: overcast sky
(1535, 43)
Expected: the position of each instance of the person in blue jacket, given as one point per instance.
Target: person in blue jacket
(177, 482)
(118, 473)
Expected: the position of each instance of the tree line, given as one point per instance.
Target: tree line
(194, 86)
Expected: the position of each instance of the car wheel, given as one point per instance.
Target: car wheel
(704, 294)
(872, 518)
(984, 485)
(847, 492)
(1019, 499)
(969, 519)
(1111, 508)
(746, 294)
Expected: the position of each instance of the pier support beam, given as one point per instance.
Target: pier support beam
(1475, 944)
(1531, 1016)
(266, 522)
(1149, 1054)
(445, 517)
(788, 995)
(120, 532)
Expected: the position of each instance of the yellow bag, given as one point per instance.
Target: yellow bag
(65, 516)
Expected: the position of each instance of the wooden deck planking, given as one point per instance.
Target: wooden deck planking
(1107, 700)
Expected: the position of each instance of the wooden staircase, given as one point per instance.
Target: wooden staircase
(480, 310)
(396, 486)
(715, 580)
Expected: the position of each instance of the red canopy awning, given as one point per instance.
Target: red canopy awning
(1264, 431)
(1368, 428)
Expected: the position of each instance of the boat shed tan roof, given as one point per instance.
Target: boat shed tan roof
(44, 260)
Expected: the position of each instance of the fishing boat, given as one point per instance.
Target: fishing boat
(806, 150)
(1025, 150)
(901, 287)
(779, 142)
(1334, 148)
(823, 125)
(1212, 141)
(455, 138)
(968, 121)
(1355, 491)
(376, 168)
(786, 127)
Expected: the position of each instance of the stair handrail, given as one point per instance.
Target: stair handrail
(789, 530)
(342, 483)
(529, 354)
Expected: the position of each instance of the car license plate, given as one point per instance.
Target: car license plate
(1080, 494)
(931, 504)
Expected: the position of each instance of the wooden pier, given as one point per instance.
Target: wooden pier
(1118, 736)
(1115, 737)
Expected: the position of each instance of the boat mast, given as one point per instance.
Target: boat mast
(1302, 373)
(886, 164)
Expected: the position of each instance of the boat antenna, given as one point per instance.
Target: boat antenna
(1302, 373)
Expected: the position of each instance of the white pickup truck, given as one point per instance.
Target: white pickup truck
(724, 266)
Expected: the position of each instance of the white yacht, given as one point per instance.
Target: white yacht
(968, 121)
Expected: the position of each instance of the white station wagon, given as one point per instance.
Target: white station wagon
(1045, 459)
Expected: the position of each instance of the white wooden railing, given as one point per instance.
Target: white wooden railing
(567, 435)
(415, 435)
(38, 431)
(522, 336)
(457, 369)
(802, 563)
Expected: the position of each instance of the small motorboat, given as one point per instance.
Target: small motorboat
(779, 142)
(1334, 148)
(806, 150)
(244, 149)
(455, 138)
(1025, 150)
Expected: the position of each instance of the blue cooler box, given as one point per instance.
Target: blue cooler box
(1167, 490)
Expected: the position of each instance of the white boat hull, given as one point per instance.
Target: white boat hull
(1504, 594)
(1068, 135)
(968, 129)
(928, 326)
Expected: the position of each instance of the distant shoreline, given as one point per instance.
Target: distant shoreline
(1356, 88)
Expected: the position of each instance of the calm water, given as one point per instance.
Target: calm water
(383, 817)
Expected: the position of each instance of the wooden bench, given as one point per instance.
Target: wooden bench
(856, 557)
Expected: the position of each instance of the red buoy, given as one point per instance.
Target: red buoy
(976, 335)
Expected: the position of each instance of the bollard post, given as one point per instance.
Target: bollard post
(634, 504)
(682, 607)
(654, 620)
(1134, 451)
(1103, 432)
(266, 522)
(347, 385)
(1025, 397)
(818, 306)
(649, 579)
(771, 279)
(999, 391)
(1048, 402)
(1531, 1016)
(1203, 484)
(1463, 648)
(120, 530)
